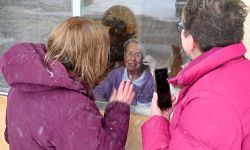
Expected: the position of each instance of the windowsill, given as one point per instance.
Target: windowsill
(136, 110)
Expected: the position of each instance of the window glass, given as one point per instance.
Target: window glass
(153, 23)
(29, 21)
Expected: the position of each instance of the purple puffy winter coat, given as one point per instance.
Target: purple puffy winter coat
(47, 108)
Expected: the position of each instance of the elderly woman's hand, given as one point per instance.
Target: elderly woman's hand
(151, 62)
(124, 93)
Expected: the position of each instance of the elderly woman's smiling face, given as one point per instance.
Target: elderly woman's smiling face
(133, 57)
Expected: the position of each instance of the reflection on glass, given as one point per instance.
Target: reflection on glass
(29, 21)
(152, 22)
(176, 64)
(122, 26)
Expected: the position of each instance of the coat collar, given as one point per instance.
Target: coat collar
(207, 62)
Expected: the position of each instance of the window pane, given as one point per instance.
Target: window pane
(29, 21)
(152, 22)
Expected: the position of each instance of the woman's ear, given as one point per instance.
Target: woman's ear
(192, 43)
(188, 43)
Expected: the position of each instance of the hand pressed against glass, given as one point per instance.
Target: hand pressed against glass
(124, 93)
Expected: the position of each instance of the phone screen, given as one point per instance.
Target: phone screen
(163, 89)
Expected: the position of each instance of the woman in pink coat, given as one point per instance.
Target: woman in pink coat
(213, 109)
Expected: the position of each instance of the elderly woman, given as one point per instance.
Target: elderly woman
(135, 71)
(212, 112)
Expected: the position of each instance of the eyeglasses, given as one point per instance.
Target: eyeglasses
(179, 26)
(137, 55)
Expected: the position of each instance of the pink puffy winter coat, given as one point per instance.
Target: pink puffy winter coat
(213, 111)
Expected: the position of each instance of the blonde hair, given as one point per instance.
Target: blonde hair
(82, 46)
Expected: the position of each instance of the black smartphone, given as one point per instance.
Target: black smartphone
(163, 88)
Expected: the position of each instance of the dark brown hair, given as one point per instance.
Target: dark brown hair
(214, 23)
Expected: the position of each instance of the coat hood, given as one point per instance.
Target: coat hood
(23, 66)
(207, 62)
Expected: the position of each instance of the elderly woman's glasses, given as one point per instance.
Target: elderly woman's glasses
(132, 55)
(179, 26)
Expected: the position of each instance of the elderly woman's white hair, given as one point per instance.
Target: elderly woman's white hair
(134, 40)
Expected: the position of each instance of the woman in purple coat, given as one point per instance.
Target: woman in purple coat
(135, 71)
(50, 103)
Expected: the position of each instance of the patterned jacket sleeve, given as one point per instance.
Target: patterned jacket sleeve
(85, 128)
(115, 126)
